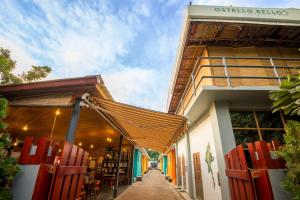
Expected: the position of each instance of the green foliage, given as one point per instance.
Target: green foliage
(8, 165)
(291, 153)
(287, 98)
(153, 155)
(7, 65)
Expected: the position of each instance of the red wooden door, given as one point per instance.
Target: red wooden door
(198, 176)
(68, 175)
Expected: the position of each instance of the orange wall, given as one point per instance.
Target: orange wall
(172, 165)
(144, 164)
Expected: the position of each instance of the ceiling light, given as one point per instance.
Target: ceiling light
(108, 139)
(91, 146)
(80, 144)
(57, 112)
(25, 128)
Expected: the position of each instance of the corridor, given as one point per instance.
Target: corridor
(152, 187)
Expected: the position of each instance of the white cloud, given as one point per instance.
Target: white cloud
(136, 86)
(24, 60)
(81, 38)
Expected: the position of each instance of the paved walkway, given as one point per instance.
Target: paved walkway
(152, 187)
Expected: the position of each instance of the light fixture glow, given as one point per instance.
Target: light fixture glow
(108, 139)
(80, 144)
(16, 144)
(59, 150)
(91, 146)
(57, 112)
(25, 128)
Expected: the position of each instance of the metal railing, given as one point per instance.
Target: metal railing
(191, 84)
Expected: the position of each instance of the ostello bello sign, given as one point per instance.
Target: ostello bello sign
(255, 11)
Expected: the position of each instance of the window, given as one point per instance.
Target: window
(250, 126)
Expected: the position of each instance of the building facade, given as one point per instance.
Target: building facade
(228, 60)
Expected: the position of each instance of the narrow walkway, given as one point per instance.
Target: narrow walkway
(152, 187)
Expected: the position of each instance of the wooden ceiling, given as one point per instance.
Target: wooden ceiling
(201, 34)
(91, 129)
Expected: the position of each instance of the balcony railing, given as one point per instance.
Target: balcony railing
(274, 69)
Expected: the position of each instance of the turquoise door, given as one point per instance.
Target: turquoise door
(165, 164)
(137, 163)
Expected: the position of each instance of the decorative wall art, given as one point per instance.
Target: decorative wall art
(209, 159)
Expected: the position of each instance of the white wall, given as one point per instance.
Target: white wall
(200, 135)
(182, 151)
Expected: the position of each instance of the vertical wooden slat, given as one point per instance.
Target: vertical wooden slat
(41, 151)
(229, 178)
(251, 149)
(42, 183)
(244, 166)
(80, 181)
(237, 165)
(73, 186)
(50, 159)
(58, 180)
(235, 181)
(263, 186)
(198, 175)
(67, 181)
(263, 154)
(25, 150)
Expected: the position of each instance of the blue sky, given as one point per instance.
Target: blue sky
(131, 43)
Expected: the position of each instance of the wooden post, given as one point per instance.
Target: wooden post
(115, 189)
(131, 165)
(70, 137)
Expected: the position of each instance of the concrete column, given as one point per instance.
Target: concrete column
(70, 137)
(224, 140)
(190, 167)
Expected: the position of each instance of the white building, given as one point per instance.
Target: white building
(228, 60)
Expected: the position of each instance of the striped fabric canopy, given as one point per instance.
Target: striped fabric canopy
(147, 128)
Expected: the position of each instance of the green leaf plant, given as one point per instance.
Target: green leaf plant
(8, 165)
(287, 100)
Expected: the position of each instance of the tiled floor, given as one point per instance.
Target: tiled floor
(152, 187)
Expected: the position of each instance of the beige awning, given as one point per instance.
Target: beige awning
(147, 128)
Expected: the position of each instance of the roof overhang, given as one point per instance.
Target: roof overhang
(53, 90)
(250, 95)
(229, 26)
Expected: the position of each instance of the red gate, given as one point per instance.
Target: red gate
(62, 180)
(69, 173)
(248, 175)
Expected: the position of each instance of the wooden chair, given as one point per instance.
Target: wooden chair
(83, 193)
(108, 181)
(95, 189)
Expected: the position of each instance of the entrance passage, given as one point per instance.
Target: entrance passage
(152, 187)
